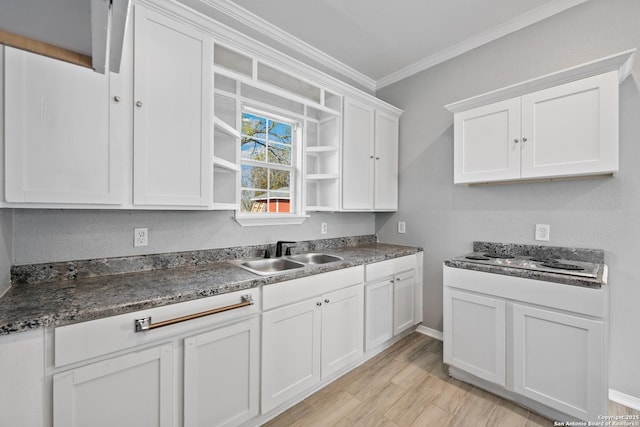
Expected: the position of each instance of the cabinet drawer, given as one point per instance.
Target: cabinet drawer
(291, 291)
(390, 267)
(81, 341)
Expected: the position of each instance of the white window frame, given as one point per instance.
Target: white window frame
(298, 215)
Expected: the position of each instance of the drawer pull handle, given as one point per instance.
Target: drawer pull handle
(145, 324)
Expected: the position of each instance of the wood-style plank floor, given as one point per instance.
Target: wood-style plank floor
(408, 385)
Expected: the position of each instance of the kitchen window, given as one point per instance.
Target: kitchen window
(269, 186)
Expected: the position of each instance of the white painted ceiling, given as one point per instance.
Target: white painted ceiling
(381, 41)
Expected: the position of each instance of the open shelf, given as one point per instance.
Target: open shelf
(221, 125)
(225, 164)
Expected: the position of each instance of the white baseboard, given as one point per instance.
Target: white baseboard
(429, 332)
(627, 400)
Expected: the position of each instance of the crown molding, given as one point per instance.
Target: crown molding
(241, 14)
(536, 15)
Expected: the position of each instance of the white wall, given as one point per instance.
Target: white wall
(596, 213)
(61, 235)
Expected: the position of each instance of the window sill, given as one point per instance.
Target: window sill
(270, 219)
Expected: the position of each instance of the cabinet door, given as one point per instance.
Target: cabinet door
(58, 147)
(342, 328)
(221, 375)
(386, 163)
(404, 293)
(290, 351)
(474, 334)
(571, 129)
(172, 113)
(485, 147)
(378, 313)
(357, 159)
(132, 390)
(559, 361)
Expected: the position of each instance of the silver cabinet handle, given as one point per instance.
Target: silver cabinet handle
(326, 301)
(516, 140)
(318, 303)
(138, 104)
(524, 139)
(116, 98)
(145, 324)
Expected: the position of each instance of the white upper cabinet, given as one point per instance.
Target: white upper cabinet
(358, 147)
(385, 197)
(172, 113)
(370, 158)
(58, 141)
(569, 127)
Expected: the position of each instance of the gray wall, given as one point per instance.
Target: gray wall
(595, 213)
(62, 235)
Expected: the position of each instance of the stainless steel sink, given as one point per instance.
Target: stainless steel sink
(265, 267)
(315, 258)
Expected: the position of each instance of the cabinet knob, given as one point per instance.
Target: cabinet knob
(377, 158)
(116, 98)
(516, 140)
(326, 301)
(371, 157)
(318, 303)
(392, 281)
(138, 104)
(524, 139)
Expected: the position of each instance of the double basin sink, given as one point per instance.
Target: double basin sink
(268, 266)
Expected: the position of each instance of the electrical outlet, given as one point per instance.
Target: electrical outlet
(323, 228)
(542, 232)
(402, 227)
(140, 237)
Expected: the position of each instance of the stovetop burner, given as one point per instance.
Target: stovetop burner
(498, 256)
(544, 264)
(563, 266)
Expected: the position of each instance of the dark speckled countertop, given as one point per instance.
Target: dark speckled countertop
(576, 254)
(86, 295)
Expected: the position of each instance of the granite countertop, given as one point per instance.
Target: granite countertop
(576, 254)
(81, 291)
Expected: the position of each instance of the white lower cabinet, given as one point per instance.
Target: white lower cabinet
(106, 373)
(378, 313)
(391, 299)
(306, 342)
(311, 328)
(290, 351)
(559, 360)
(476, 332)
(135, 389)
(543, 343)
(221, 374)
(342, 329)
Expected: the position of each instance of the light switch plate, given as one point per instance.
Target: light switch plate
(323, 228)
(402, 227)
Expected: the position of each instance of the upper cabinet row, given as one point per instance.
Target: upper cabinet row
(561, 125)
(165, 132)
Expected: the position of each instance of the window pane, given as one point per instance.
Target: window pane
(279, 180)
(253, 149)
(279, 132)
(279, 154)
(280, 202)
(253, 201)
(254, 126)
(254, 177)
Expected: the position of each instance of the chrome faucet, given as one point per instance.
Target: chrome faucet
(279, 247)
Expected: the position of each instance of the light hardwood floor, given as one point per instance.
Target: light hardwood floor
(408, 385)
